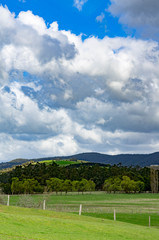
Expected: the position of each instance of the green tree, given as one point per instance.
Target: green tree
(75, 186)
(83, 185)
(128, 185)
(67, 186)
(116, 185)
(16, 186)
(107, 185)
(112, 184)
(31, 186)
(6, 188)
(91, 186)
(139, 186)
(54, 184)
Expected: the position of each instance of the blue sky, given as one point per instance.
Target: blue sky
(78, 76)
(69, 17)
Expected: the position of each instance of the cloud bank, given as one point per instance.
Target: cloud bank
(138, 14)
(60, 95)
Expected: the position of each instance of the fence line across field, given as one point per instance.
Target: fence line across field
(88, 209)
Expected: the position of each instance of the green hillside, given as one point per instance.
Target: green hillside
(141, 160)
(60, 162)
(63, 162)
(31, 224)
(18, 162)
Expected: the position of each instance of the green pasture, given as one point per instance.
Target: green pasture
(64, 162)
(34, 224)
(95, 201)
(130, 208)
(135, 218)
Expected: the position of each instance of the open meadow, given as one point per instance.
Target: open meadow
(34, 224)
(130, 208)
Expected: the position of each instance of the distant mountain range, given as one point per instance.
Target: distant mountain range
(141, 160)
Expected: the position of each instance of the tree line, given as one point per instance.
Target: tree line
(104, 177)
(29, 186)
(125, 184)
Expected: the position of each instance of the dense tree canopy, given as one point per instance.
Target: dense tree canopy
(125, 184)
(37, 177)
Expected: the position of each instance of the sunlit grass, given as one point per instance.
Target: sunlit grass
(64, 162)
(34, 224)
(131, 208)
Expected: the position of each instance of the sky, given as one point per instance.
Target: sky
(78, 76)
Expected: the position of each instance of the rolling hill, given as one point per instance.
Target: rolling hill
(142, 160)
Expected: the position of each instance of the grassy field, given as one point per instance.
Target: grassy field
(34, 224)
(135, 218)
(64, 162)
(130, 208)
(127, 203)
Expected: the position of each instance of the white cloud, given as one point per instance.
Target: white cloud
(60, 95)
(58, 146)
(54, 26)
(101, 121)
(28, 44)
(138, 14)
(79, 4)
(100, 18)
(68, 95)
(34, 21)
(55, 146)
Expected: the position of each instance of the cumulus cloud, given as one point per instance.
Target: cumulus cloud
(26, 43)
(100, 17)
(79, 4)
(61, 95)
(138, 14)
(54, 146)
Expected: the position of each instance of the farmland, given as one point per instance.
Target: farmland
(21, 223)
(130, 208)
(26, 216)
(64, 162)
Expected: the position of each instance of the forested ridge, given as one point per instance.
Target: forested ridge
(104, 177)
(143, 160)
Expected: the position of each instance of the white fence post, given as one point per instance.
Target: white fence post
(44, 205)
(80, 209)
(114, 215)
(8, 200)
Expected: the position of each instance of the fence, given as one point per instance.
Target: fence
(146, 215)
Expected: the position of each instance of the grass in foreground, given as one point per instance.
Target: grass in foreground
(135, 218)
(32, 224)
(130, 208)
